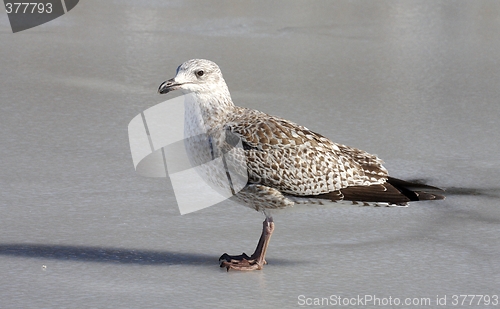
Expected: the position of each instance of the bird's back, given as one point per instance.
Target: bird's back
(298, 161)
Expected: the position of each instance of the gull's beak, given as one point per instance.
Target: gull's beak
(167, 86)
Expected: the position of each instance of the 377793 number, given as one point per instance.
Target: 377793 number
(30, 8)
(474, 300)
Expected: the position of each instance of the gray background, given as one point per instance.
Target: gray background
(416, 82)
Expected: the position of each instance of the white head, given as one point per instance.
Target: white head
(200, 76)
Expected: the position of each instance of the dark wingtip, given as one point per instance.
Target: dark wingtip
(417, 191)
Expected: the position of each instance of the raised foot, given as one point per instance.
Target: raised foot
(240, 262)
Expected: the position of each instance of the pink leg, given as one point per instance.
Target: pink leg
(257, 260)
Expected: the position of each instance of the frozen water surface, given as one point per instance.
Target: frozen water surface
(415, 82)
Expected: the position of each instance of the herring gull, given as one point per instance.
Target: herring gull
(288, 164)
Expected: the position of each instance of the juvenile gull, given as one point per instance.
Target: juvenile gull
(287, 164)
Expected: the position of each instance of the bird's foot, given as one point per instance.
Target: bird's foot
(241, 262)
(257, 260)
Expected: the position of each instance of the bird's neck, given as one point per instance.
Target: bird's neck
(212, 107)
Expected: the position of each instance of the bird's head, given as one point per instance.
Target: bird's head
(196, 75)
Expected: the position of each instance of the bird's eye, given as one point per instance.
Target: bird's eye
(200, 73)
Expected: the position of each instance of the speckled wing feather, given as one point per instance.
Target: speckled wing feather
(297, 161)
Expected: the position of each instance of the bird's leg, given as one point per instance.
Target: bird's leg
(257, 259)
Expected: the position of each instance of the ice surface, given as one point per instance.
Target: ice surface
(415, 82)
